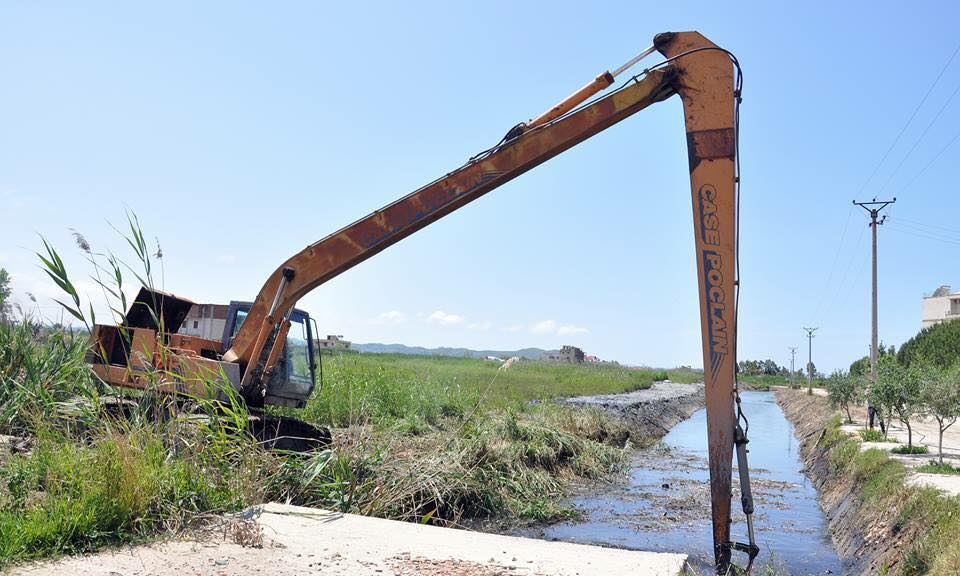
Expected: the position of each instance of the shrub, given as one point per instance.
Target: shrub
(39, 369)
(938, 468)
(872, 435)
(921, 449)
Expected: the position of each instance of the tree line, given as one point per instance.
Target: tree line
(761, 368)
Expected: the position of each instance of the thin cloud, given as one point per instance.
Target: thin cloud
(571, 330)
(444, 319)
(479, 326)
(544, 327)
(393, 317)
(552, 327)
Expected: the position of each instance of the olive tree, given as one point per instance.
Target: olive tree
(941, 398)
(844, 389)
(897, 391)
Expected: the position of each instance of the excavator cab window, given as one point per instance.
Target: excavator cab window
(294, 377)
(299, 365)
(238, 322)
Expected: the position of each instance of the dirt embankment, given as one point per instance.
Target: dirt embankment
(867, 540)
(649, 413)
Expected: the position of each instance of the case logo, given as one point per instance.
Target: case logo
(714, 269)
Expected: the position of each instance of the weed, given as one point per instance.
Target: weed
(936, 468)
(935, 550)
(419, 439)
(918, 449)
(872, 435)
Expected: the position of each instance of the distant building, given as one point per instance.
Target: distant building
(591, 358)
(333, 342)
(568, 354)
(205, 321)
(941, 306)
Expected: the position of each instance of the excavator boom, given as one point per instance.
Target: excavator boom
(696, 69)
(703, 75)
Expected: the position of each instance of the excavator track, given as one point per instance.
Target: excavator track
(288, 434)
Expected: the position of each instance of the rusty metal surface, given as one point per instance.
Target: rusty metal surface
(597, 85)
(706, 88)
(150, 305)
(710, 144)
(366, 237)
(704, 81)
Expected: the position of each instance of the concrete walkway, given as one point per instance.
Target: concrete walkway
(301, 541)
(924, 433)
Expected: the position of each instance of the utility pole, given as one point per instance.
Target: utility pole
(793, 355)
(810, 332)
(873, 208)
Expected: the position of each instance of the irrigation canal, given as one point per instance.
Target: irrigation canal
(663, 504)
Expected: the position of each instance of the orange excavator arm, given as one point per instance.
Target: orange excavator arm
(703, 75)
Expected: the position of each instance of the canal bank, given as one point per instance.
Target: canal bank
(649, 413)
(662, 504)
(879, 522)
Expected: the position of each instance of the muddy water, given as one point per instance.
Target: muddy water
(664, 503)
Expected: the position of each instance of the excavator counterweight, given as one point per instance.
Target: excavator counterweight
(707, 80)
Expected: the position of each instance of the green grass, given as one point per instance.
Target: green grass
(418, 439)
(66, 497)
(39, 369)
(935, 549)
(916, 449)
(763, 382)
(937, 468)
(872, 435)
(386, 388)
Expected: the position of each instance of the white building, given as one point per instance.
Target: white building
(205, 321)
(941, 306)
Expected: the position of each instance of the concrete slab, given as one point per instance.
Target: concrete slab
(944, 482)
(300, 541)
(925, 433)
(887, 446)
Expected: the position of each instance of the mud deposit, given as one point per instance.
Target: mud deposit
(663, 504)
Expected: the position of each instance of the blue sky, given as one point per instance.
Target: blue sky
(241, 132)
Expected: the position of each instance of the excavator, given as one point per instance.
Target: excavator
(266, 355)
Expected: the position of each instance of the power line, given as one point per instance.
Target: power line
(932, 160)
(919, 224)
(909, 120)
(919, 138)
(846, 272)
(873, 173)
(854, 283)
(836, 258)
(927, 229)
(926, 236)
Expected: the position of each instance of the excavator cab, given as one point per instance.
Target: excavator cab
(294, 377)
